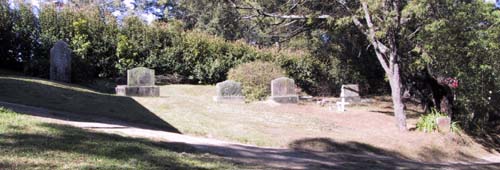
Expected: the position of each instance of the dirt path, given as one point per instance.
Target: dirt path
(269, 158)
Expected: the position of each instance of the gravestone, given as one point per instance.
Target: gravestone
(283, 90)
(229, 91)
(351, 93)
(140, 76)
(443, 124)
(60, 62)
(140, 82)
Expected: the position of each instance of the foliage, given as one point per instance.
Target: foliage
(427, 123)
(455, 38)
(461, 41)
(104, 47)
(255, 78)
(455, 127)
(88, 31)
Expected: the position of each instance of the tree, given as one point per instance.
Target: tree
(381, 23)
(457, 40)
(453, 38)
(211, 16)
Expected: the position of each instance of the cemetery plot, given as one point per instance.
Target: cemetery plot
(60, 62)
(140, 82)
(229, 91)
(283, 90)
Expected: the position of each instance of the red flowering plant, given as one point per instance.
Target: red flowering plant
(453, 83)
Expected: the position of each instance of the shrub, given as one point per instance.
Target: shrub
(105, 48)
(427, 123)
(256, 78)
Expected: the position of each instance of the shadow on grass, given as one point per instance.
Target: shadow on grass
(490, 139)
(80, 103)
(325, 153)
(66, 146)
(411, 115)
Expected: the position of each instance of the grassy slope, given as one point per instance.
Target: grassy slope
(191, 109)
(75, 99)
(27, 143)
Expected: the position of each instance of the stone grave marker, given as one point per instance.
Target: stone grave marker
(229, 91)
(283, 90)
(140, 76)
(140, 82)
(443, 124)
(351, 93)
(60, 62)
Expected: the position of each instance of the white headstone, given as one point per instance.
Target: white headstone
(350, 92)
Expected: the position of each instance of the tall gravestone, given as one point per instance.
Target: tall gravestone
(60, 62)
(229, 91)
(283, 90)
(351, 93)
(140, 82)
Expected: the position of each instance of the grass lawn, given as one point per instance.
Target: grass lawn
(27, 143)
(75, 99)
(189, 109)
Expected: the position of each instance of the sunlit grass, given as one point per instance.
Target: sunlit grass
(27, 143)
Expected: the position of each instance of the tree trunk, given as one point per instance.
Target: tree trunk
(397, 100)
(388, 57)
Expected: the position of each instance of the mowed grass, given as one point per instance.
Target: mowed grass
(191, 109)
(75, 99)
(28, 143)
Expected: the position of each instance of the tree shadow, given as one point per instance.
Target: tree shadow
(489, 139)
(413, 113)
(74, 144)
(76, 103)
(325, 153)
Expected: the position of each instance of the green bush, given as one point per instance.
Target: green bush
(427, 123)
(256, 78)
(104, 48)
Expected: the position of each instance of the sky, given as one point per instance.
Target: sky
(497, 3)
(149, 13)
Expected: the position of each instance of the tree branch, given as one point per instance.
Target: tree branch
(380, 48)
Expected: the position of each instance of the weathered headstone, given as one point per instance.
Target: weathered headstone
(60, 62)
(229, 91)
(283, 90)
(140, 76)
(443, 124)
(351, 93)
(140, 82)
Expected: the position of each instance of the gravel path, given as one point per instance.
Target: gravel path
(262, 157)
